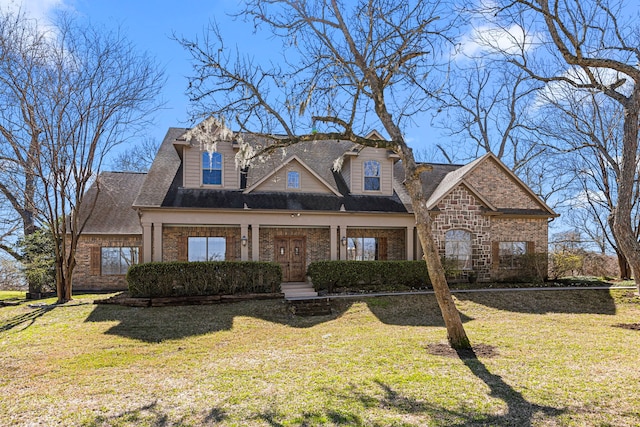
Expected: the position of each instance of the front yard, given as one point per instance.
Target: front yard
(546, 358)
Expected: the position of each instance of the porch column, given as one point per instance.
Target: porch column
(410, 242)
(147, 242)
(244, 243)
(157, 241)
(333, 242)
(255, 242)
(343, 248)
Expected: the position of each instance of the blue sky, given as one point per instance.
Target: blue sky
(150, 25)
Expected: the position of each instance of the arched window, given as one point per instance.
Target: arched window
(372, 175)
(458, 248)
(212, 168)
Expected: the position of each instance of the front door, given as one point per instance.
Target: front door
(291, 255)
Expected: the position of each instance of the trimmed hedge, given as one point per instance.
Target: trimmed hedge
(169, 279)
(335, 276)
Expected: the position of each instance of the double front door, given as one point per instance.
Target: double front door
(291, 255)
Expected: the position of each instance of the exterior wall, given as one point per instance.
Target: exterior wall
(173, 240)
(356, 183)
(499, 189)
(193, 168)
(318, 244)
(395, 238)
(308, 183)
(533, 230)
(462, 211)
(86, 278)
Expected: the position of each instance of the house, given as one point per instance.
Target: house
(293, 208)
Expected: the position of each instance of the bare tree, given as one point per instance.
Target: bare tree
(586, 126)
(137, 158)
(590, 45)
(67, 97)
(347, 69)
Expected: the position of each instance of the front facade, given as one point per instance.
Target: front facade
(293, 208)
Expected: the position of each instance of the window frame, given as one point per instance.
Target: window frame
(211, 163)
(358, 254)
(510, 255)
(122, 268)
(368, 178)
(209, 243)
(290, 174)
(463, 260)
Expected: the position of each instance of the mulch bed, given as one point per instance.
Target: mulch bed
(479, 350)
(630, 326)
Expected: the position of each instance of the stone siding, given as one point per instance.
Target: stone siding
(83, 279)
(460, 210)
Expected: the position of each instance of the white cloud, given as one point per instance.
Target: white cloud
(492, 39)
(40, 10)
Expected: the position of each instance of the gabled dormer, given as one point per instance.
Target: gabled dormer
(209, 169)
(368, 170)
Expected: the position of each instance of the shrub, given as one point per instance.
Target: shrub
(166, 279)
(334, 276)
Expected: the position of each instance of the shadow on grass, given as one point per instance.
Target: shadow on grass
(152, 415)
(26, 319)
(583, 301)
(157, 324)
(520, 412)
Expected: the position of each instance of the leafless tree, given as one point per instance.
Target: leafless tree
(589, 45)
(137, 158)
(586, 126)
(347, 68)
(68, 95)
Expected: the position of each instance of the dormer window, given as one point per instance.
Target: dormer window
(293, 179)
(372, 175)
(211, 168)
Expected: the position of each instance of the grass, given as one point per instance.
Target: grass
(548, 358)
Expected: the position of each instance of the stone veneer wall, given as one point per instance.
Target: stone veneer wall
(396, 240)
(460, 210)
(82, 277)
(171, 236)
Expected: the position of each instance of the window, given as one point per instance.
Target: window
(362, 249)
(293, 179)
(510, 254)
(117, 260)
(207, 248)
(212, 168)
(458, 248)
(372, 175)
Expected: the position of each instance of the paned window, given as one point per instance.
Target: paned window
(293, 179)
(511, 254)
(362, 249)
(372, 175)
(207, 248)
(458, 248)
(212, 168)
(117, 260)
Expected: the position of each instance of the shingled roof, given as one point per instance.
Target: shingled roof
(112, 212)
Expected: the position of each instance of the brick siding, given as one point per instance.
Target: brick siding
(83, 279)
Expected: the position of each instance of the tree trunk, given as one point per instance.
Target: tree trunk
(622, 227)
(623, 265)
(455, 330)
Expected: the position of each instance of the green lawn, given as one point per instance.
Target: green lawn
(551, 358)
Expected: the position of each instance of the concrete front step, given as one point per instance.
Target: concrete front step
(298, 290)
